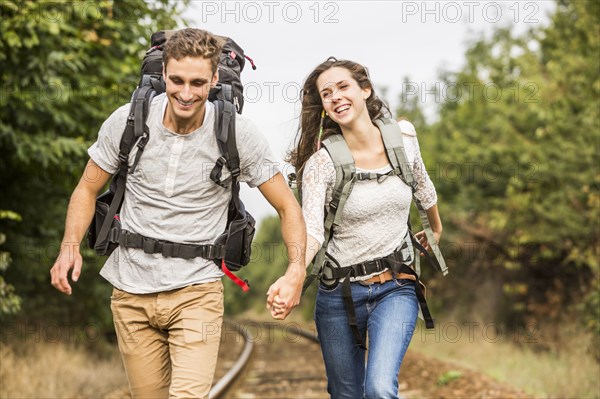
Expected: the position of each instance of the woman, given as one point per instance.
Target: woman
(339, 98)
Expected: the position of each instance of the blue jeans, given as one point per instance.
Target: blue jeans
(386, 314)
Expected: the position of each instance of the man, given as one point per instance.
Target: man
(166, 310)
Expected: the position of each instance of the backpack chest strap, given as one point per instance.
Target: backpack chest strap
(376, 176)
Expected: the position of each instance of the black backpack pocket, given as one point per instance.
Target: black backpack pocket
(237, 240)
(103, 246)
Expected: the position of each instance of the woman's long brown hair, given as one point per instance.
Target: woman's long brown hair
(310, 118)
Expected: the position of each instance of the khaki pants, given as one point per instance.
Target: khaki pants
(169, 341)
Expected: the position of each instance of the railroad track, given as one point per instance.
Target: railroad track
(225, 382)
(279, 360)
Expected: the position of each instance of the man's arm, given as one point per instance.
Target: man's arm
(79, 215)
(287, 288)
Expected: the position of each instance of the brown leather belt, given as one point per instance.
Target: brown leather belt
(386, 276)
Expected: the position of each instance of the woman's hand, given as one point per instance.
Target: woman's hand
(422, 238)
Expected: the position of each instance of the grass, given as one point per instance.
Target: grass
(449, 377)
(57, 370)
(566, 368)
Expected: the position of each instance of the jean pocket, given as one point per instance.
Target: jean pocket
(403, 282)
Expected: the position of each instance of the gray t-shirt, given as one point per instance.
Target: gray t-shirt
(171, 197)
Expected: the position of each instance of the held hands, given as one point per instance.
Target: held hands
(69, 258)
(284, 295)
(422, 238)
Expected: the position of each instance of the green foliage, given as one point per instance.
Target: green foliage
(65, 67)
(448, 377)
(515, 155)
(10, 303)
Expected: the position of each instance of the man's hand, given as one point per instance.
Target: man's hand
(79, 215)
(69, 258)
(284, 295)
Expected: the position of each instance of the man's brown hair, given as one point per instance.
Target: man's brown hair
(192, 42)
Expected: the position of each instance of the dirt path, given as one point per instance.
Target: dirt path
(425, 377)
(286, 367)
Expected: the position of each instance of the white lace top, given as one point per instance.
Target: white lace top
(374, 220)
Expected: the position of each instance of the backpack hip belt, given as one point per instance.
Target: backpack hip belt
(332, 271)
(167, 248)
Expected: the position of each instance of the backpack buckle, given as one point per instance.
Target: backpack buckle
(114, 234)
(363, 269)
(215, 174)
(221, 161)
(378, 264)
(414, 185)
(123, 159)
(327, 277)
(149, 245)
(208, 252)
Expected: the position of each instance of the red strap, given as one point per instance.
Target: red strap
(243, 284)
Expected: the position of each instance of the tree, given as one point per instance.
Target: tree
(9, 302)
(517, 148)
(65, 67)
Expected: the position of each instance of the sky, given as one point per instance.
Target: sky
(393, 39)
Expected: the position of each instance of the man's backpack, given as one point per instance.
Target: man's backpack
(231, 251)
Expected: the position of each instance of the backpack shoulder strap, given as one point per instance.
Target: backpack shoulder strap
(136, 128)
(394, 145)
(226, 141)
(345, 173)
(345, 177)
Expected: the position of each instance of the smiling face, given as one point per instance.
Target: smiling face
(342, 97)
(188, 82)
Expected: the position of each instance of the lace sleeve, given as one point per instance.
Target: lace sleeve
(425, 189)
(317, 185)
